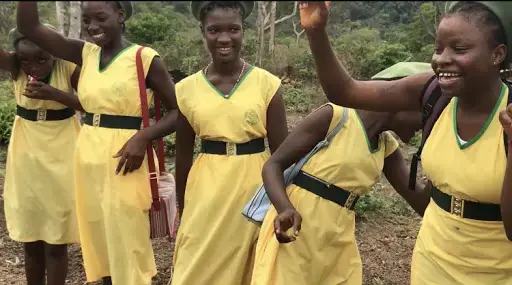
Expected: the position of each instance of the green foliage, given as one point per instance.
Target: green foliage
(7, 110)
(379, 201)
(7, 114)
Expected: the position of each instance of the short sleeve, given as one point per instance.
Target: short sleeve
(70, 67)
(273, 83)
(389, 142)
(88, 50)
(148, 54)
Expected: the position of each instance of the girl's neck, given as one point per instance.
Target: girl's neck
(483, 99)
(115, 46)
(227, 68)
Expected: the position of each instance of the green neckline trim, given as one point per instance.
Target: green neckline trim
(234, 89)
(486, 125)
(366, 135)
(113, 59)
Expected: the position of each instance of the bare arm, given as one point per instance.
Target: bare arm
(71, 99)
(160, 82)
(340, 87)
(185, 139)
(506, 195)
(277, 129)
(505, 118)
(299, 142)
(50, 40)
(397, 173)
(8, 63)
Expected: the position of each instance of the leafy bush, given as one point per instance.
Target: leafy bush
(7, 110)
(7, 114)
(298, 99)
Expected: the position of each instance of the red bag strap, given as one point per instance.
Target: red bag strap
(145, 121)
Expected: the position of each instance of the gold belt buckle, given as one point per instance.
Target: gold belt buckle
(457, 206)
(41, 114)
(350, 200)
(230, 149)
(96, 119)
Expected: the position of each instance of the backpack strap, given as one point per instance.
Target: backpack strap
(432, 105)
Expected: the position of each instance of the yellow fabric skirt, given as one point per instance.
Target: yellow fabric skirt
(215, 242)
(456, 251)
(39, 200)
(113, 210)
(325, 252)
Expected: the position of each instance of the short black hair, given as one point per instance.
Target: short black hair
(478, 12)
(235, 5)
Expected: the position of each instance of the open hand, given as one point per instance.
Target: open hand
(131, 154)
(506, 122)
(39, 90)
(284, 221)
(314, 15)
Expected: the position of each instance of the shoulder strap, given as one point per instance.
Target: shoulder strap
(323, 143)
(145, 121)
(338, 126)
(432, 105)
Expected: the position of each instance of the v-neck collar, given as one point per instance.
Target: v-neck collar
(113, 59)
(484, 127)
(227, 96)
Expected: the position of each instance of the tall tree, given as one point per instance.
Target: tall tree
(62, 16)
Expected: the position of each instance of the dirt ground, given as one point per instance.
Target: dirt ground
(385, 240)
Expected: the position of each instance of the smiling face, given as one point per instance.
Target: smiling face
(102, 21)
(223, 32)
(465, 54)
(33, 60)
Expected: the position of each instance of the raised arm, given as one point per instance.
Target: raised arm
(45, 37)
(340, 87)
(299, 142)
(8, 63)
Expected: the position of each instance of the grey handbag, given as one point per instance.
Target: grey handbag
(256, 209)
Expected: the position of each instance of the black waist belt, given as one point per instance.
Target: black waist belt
(223, 148)
(327, 191)
(44, 115)
(113, 121)
(466, 209)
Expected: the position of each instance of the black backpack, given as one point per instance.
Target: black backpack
(432, 105)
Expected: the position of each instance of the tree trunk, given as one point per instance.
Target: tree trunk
(62, 17)
(297, 33)
(75, 19)
(261, 30)
(273, 6)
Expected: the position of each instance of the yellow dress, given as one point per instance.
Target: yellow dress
(453, 250)
(325, 252)
(215, 243)
(113, 210)
(39, 200)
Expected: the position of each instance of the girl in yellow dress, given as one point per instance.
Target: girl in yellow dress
(111, 173)
(463, 236)
(39, 200)
(319, 203)
(232, 106)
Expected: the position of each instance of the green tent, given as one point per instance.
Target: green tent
(402, 69)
